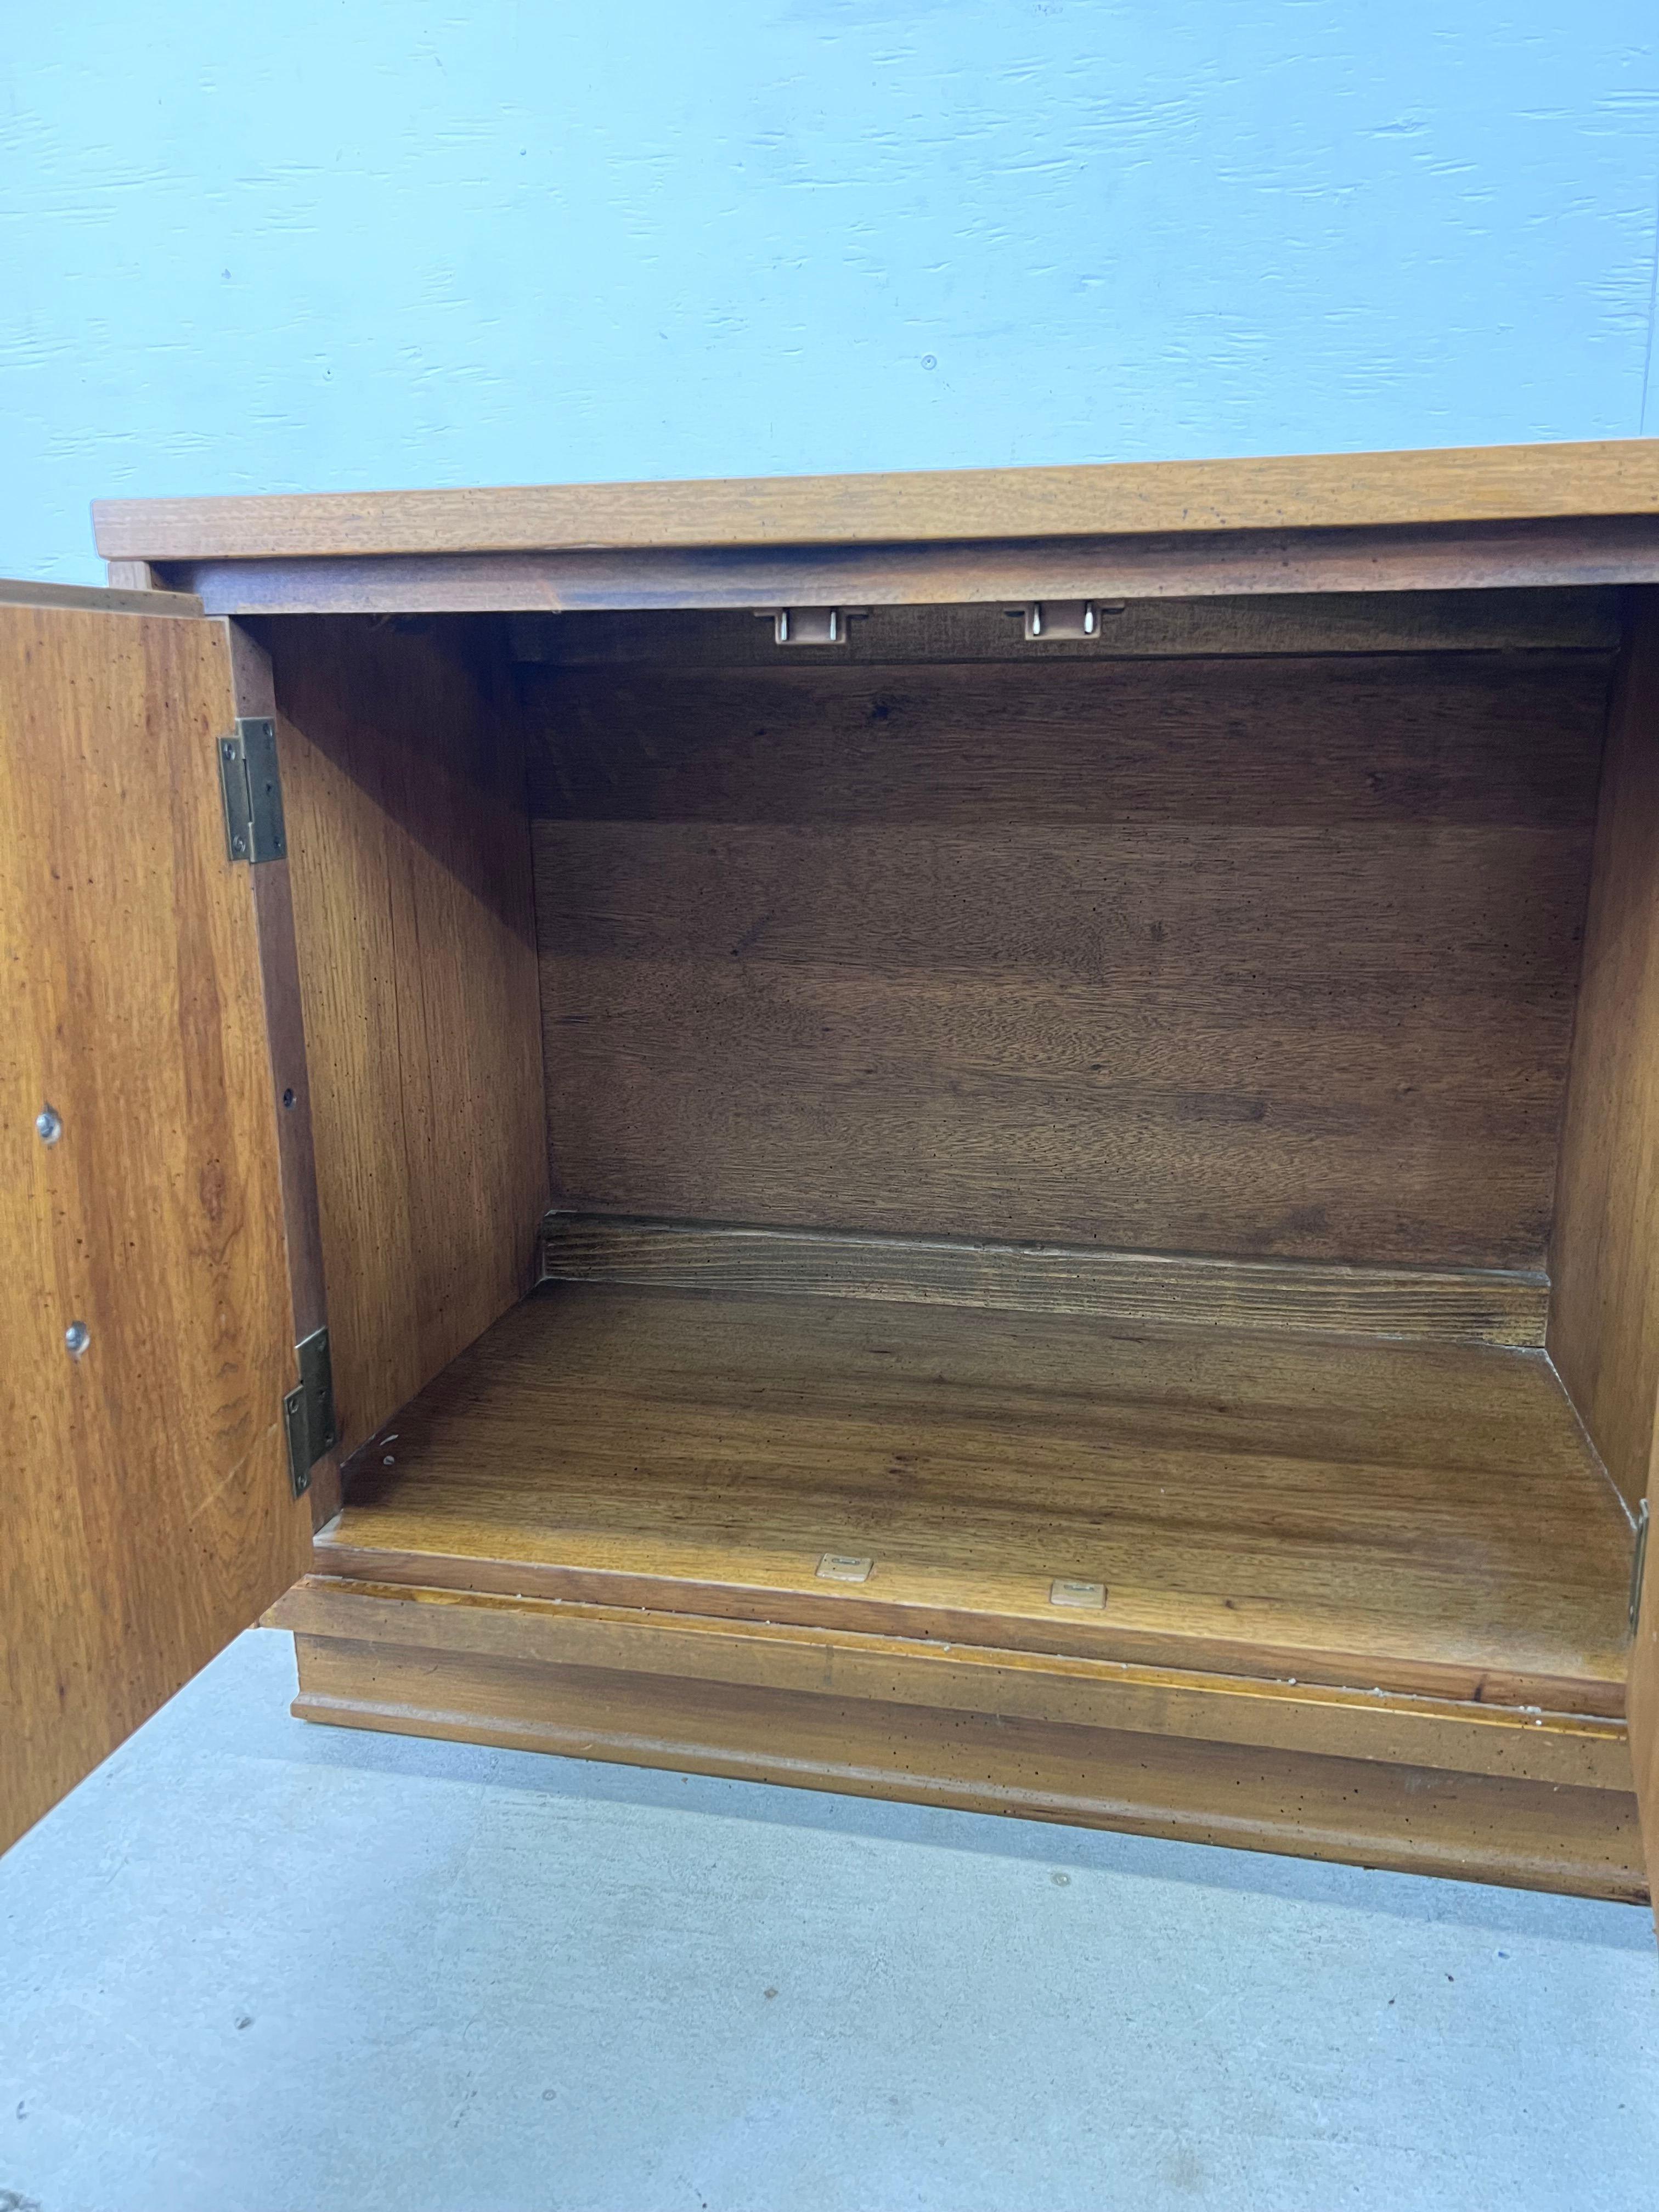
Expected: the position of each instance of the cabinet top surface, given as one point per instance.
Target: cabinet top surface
(1450, 485)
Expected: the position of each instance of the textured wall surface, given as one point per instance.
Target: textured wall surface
(378, 244)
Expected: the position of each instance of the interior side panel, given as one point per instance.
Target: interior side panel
(403, 773)
(1604, 1316)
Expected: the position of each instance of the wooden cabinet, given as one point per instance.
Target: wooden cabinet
(1040, 1196)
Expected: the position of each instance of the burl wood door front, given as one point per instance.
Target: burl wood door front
(146, 1323)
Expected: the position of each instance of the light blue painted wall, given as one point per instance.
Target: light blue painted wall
(330, 245)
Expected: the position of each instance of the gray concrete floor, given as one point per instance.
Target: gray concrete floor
(252, 1964)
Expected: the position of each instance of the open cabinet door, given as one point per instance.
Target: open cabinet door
(149, 1512)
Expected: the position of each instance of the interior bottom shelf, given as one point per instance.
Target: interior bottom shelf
(1411, 1518)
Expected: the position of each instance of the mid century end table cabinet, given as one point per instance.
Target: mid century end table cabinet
(1030, 1181)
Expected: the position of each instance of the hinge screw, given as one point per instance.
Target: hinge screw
(47, 1126)
(76, 1337)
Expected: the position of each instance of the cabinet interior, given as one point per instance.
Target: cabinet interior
(1081, 1147)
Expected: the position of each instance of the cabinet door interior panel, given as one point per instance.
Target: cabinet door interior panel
(149, 1511)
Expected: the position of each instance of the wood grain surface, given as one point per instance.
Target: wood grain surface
(1241, 957)
(403, 791)
(1333, 622)
(1494, 483)
(149, 1515)
(1420, 1517)
(131, 576)
(130, 598)
(1573, 1748)
(1470, 1305)
(1364, 1811)
(1604, 1318)
(1472, 557)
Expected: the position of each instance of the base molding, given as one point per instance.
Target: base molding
(1426, 1305)
(439, 1664)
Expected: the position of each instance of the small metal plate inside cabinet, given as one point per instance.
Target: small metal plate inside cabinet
(843, 1567)
(1091, 1594)
(808, 626)
(1057, 619)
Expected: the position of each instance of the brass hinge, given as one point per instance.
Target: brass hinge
(252, 791)
(1637, 1564)
(308, 1412)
